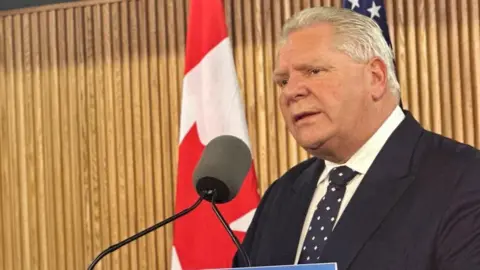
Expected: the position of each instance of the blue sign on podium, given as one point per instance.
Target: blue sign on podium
(316, 266)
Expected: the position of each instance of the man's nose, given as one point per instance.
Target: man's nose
(296, 89)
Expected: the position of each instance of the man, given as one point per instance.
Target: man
(380, 192)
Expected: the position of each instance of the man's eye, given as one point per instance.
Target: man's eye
(315, 71)
(282, 83)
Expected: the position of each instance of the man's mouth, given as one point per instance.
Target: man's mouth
(303, 115)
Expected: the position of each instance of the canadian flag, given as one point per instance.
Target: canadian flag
(211, 106)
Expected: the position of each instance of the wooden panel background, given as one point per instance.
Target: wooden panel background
(90, 95)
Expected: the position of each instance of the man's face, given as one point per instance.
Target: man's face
(323, 91)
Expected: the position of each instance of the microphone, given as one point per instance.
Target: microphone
(223, 166)
(219, 175)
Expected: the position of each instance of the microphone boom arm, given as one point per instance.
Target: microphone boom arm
(230, 232)
(142, 233)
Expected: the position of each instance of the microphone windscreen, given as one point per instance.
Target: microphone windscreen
(223, 166)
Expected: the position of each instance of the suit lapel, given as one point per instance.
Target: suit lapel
(294, 212)
(365, 212)
(384, 183)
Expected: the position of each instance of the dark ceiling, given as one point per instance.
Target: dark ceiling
(14, 4)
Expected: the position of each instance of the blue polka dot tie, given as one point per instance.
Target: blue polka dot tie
(325, 215)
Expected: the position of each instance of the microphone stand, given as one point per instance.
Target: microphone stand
(230, 232)
(142, 233)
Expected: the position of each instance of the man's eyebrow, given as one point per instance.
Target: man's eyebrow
(315, 63)
(304, 66)
(280, 73)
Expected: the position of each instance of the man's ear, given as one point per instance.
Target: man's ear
(377, 70)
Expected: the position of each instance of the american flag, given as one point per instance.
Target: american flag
(375, 9)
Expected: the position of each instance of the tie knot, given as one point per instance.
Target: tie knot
(341, 175)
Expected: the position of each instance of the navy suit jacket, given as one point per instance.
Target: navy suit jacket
(417, 208)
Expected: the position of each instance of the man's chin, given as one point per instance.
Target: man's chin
(311, 142)
(313, 147)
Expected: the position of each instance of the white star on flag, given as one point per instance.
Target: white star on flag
(374, 10)
(354, 4)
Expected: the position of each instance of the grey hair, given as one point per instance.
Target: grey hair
(356, 35)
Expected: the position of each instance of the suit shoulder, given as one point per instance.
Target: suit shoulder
(450, 154)
(289, 177)
(453, 149)
(285, 182)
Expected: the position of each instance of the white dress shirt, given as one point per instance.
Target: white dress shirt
(359, 162)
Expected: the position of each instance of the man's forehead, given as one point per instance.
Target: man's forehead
(317, 31)
(305, 40)
(312, 54)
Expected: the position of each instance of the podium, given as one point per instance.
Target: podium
(316, 266)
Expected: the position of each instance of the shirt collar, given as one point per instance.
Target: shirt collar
(365, 156)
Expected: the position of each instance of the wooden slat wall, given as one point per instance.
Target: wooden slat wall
(90, 98)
